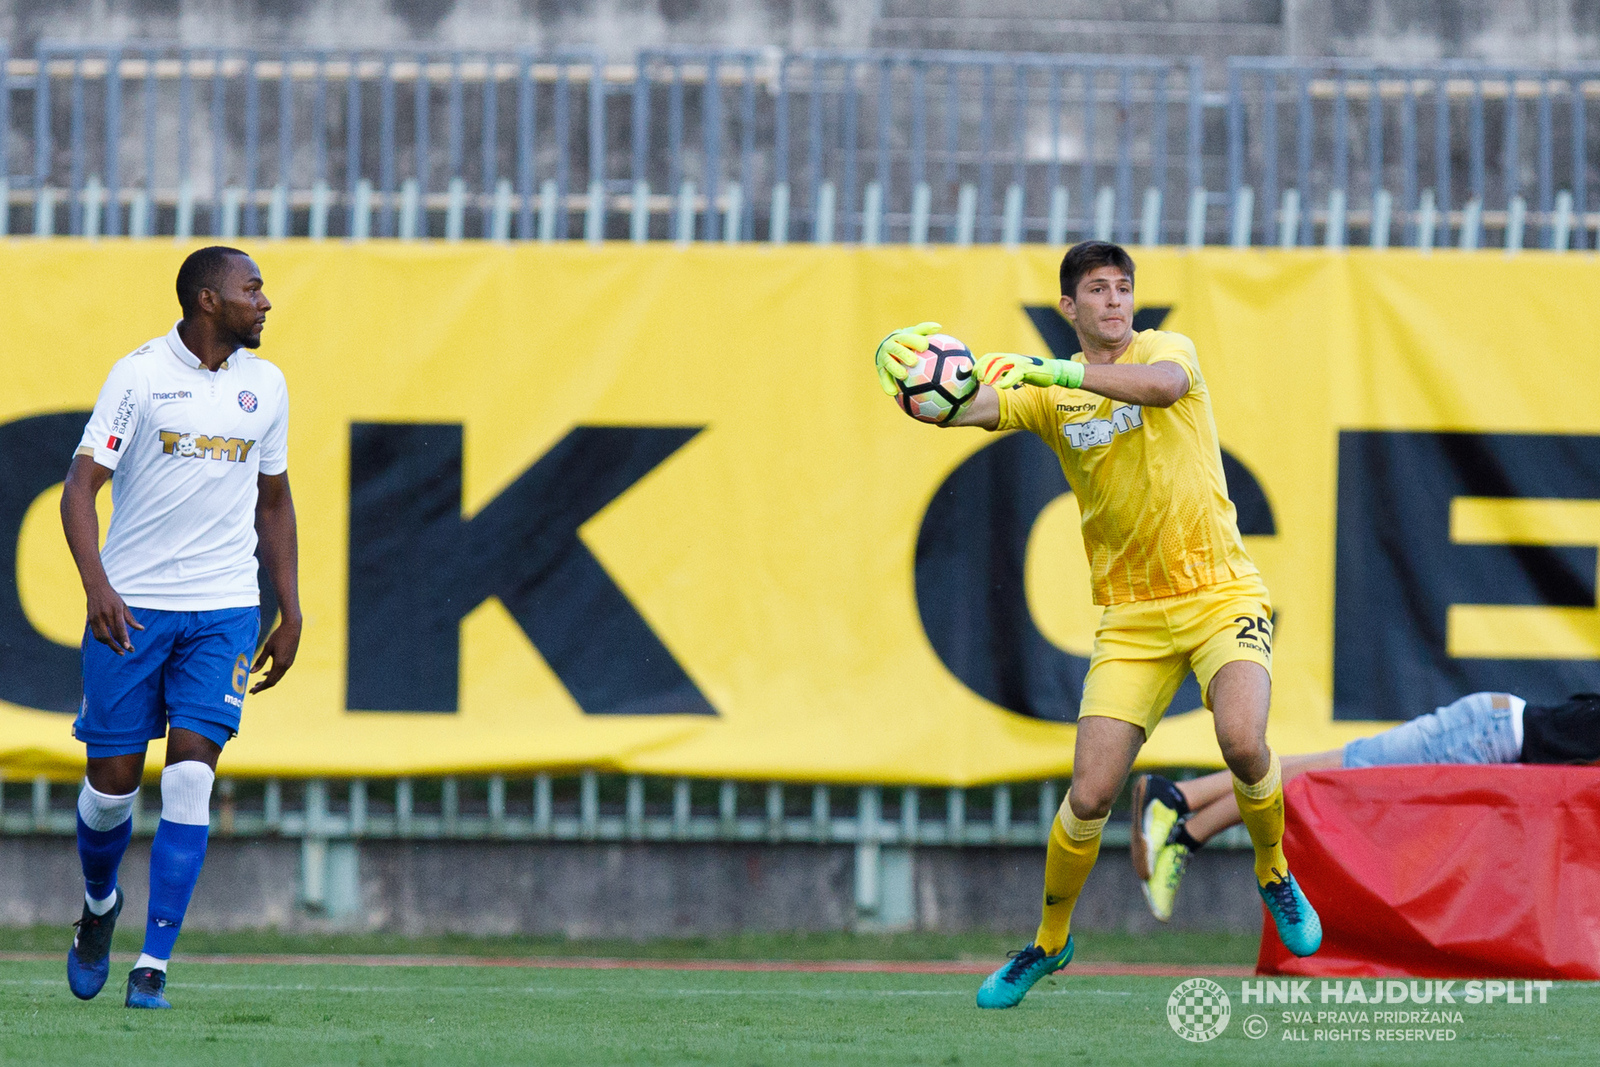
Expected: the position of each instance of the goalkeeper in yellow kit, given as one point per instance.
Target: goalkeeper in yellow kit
(1133, 429)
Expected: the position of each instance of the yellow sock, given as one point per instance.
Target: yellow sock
(1261, 808)
(1074, 844)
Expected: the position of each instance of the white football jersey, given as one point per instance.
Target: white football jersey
(186, 445)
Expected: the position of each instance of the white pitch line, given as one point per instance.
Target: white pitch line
(528, 990)
(241, 987)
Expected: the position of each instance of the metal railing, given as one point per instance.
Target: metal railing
(328, 817)
(871, 146)
(1449, 153)
(586, 806)
(140, 139)
(865, 147)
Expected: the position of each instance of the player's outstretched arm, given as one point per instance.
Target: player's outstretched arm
(280, 552)
(1156, 385)
(1151, 385)
(109, 618)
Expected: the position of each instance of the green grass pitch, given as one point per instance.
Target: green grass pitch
(239, 1014)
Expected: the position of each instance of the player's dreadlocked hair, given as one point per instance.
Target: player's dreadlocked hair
(1086, 256)
(204, 269)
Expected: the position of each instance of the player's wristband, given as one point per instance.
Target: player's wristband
(1069, 373)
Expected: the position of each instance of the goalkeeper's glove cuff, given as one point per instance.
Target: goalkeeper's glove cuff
(1069, 373)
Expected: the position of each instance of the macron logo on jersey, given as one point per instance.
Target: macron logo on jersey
(202, 446)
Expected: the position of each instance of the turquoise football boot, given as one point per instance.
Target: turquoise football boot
(1298, 926)
(1006, 987)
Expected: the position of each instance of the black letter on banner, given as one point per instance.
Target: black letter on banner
(970, 577)
(417, 569)
(1252, 511)
(1398, 571)
(35, 671)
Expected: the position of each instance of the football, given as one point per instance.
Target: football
(940, 382)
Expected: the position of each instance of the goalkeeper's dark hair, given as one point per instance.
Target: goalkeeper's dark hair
(205, 268)
(1086, 256)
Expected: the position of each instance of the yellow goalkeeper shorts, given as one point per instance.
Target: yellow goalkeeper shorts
(1144, 649)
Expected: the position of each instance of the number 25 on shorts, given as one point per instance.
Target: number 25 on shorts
(1254, 629)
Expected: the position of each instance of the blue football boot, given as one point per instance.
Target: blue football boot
(145, 985)
(1006, 987)
(89, 958)
(1298, 926)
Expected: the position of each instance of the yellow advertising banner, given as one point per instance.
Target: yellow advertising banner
(644, 508)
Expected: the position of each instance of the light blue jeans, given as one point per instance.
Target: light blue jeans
(1472, 730)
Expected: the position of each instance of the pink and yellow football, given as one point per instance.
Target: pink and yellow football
(940, 383)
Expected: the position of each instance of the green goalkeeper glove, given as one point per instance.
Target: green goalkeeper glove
(899, 352)
(1006, 370)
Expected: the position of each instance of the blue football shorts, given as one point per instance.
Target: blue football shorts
(1472, 730)
(189, 670)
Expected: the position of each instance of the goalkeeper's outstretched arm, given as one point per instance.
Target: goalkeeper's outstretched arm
(1156, 385)
(1160, 384)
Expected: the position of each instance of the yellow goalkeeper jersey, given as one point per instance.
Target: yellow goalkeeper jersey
(1157, 520)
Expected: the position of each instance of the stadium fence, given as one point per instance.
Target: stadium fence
(815, 146)
(329, 817)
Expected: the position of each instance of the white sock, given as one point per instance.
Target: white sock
(186, 793)
(151, 961)
(100, 907)
(104, 811)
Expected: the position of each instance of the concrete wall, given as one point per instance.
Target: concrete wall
(1532, 32)
(1510, 31)
(1541, 32)
(620, 26)
(621, 890)
(1211, 28)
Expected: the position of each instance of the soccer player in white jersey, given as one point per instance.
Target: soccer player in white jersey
(191, 430)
